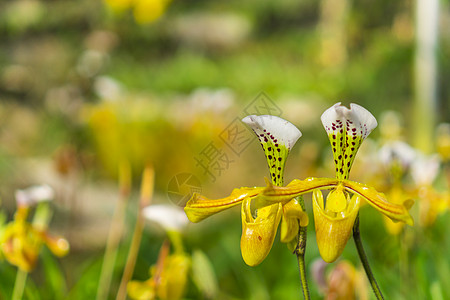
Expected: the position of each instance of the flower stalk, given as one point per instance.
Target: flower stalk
(300, 251)
(365, 261)
(19, 284)
(145, 200)
(115, 232)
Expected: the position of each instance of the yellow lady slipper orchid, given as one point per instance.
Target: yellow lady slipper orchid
(260, 219)
(346, 129)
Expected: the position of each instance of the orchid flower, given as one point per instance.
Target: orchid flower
(424, 171)
(334, 218)
(21, 241)
(168, 278)
(260, 219)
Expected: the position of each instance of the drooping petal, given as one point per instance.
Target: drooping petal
(332, 233)
(277, 137)
(346, 129)
(293, 215)
(258, 234)
(200, 207)
(378, 200)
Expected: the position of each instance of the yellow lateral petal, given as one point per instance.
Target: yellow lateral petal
(200, 207)
(378, 200)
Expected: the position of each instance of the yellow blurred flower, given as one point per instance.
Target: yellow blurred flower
(144, 11)
(167, 279)
(119, 5)
(20, 242)
(424, 171)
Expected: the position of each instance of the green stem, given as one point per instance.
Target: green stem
(109, 259)
(145, 199)
(300, 252)
(19, 285)
(364, 261)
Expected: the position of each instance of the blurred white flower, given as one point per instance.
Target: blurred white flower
(108, 88)
(34, 195)
(397, 152)
(170, 217)
(425, 169)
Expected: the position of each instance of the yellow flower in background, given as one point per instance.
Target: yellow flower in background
(168, 278)
(21, 242)
(119, 6)
(396, 158)
(443, 141)
(424, 171)
(148, 11)
(144, 11)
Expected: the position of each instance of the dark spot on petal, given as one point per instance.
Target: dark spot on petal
(259, 238)
(279, 158)
(269, 156)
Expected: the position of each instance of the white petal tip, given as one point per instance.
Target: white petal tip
(275, 128)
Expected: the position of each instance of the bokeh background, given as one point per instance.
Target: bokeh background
(86, 85)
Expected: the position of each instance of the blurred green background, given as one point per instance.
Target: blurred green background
(86, 85)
